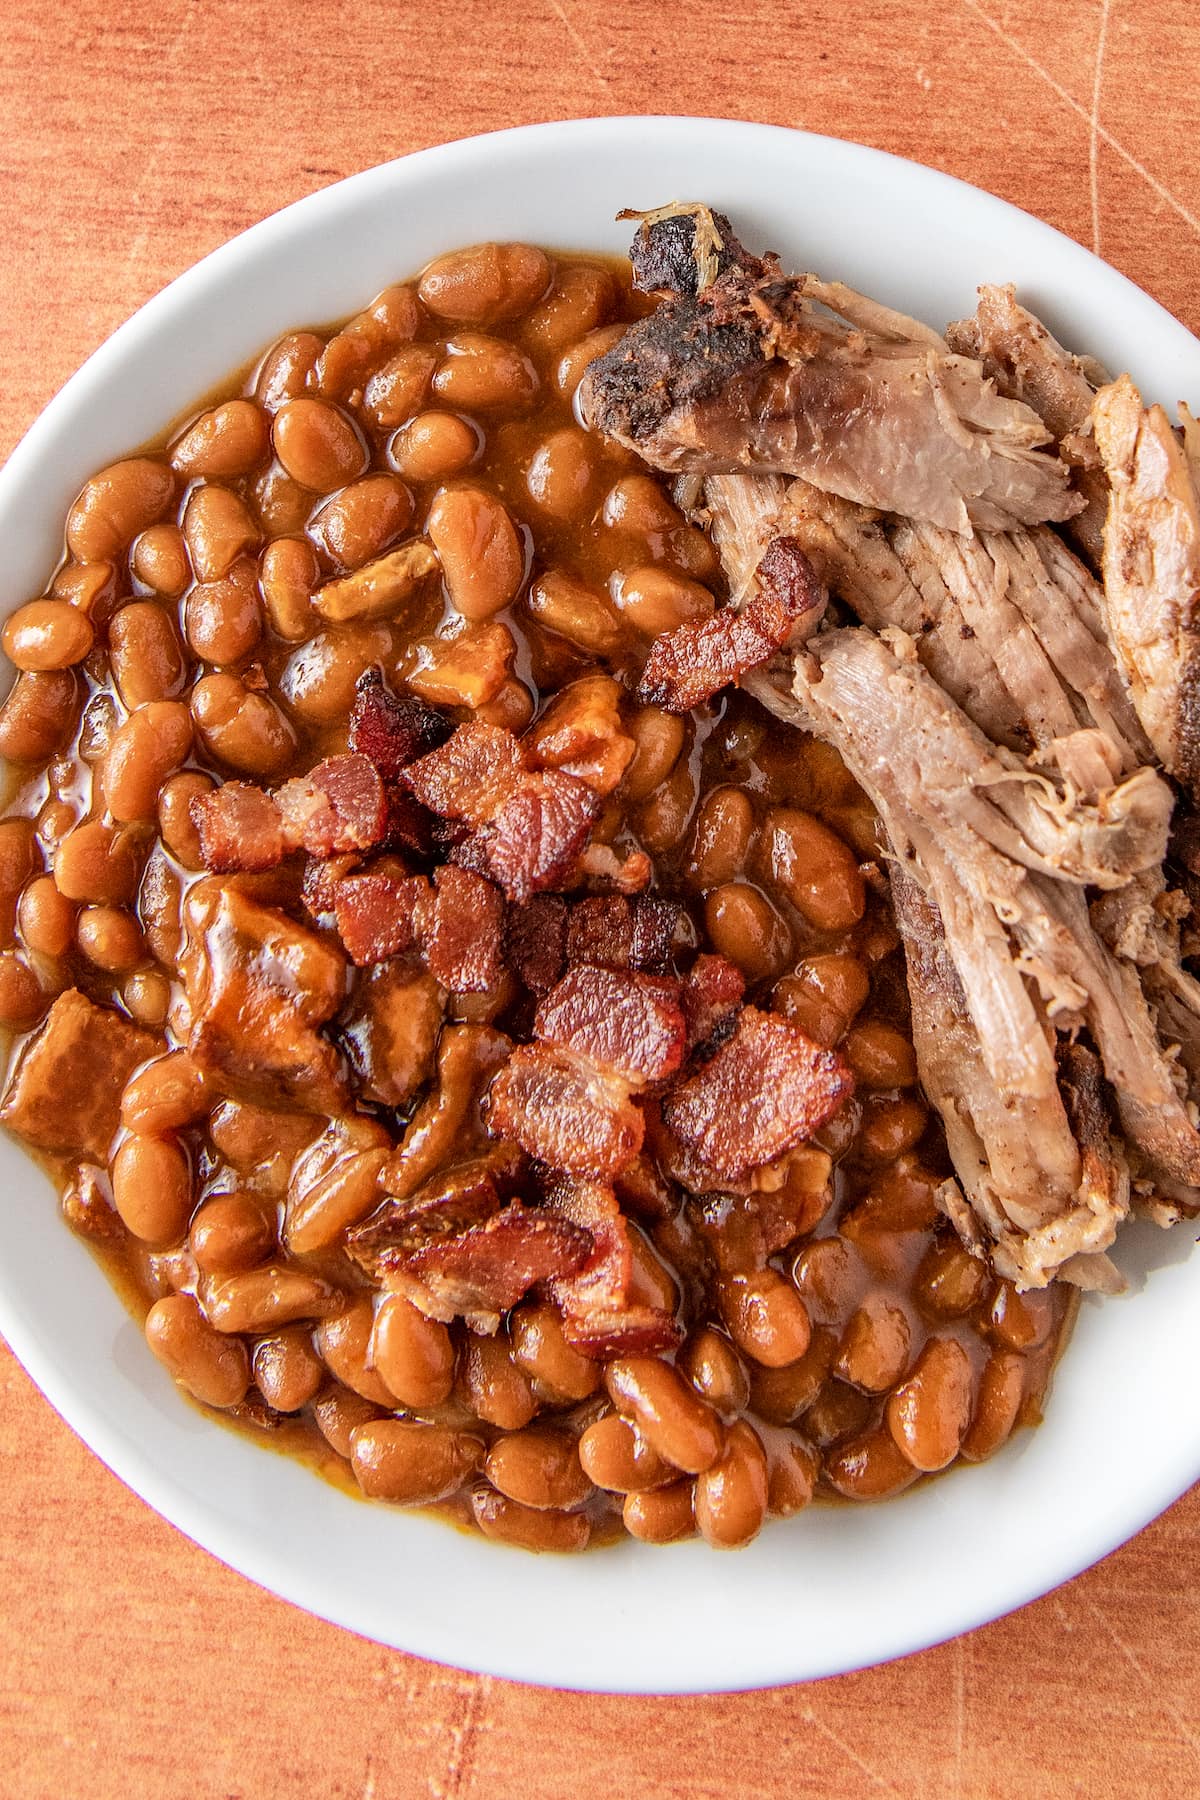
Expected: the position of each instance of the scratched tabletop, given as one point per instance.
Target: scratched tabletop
(135, 139)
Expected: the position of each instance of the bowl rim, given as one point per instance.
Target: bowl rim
(1095, 1537)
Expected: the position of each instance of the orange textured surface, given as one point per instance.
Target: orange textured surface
(137, 138)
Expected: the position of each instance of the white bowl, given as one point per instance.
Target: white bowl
(838, 1587)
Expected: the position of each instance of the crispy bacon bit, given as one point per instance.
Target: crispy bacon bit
(338, 806)
(470, 776)
(459, 1199)
(580, 733)
(409, 827)
(535, 941)
(634, 1331)
(565, 1111)
(628, 874)
(240, 828)
(489, 1267)
(537, 834)
(767, 1089)
(712, 992)
(599, 1317)
(377, 915)
(691, 664)
(460, 929)
(392, 730)
(323, 876)
(621, 933)
(630, 1024)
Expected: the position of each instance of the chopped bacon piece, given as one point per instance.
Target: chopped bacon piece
(769, 1087)
(580, 733)
(462, 1197)
(470, 775)
(643, 1189)
(632, 1331)
(65, 1091)
(537, 833)
(621, 933)
(240, 827)
(377, 914)
(338, 806)
(563, 1110)
(631, 1024)
(391, 730)
(460, 929)
(489, 1267)
(712, 992)
(323, 877)
(409, 826)
(691, 664)
(599, 1317)
(535, 941)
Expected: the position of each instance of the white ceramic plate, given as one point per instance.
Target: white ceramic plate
(836, 1588)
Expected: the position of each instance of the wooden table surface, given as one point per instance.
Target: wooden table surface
(135, 139)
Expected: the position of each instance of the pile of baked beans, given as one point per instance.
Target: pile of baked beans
(410, 489)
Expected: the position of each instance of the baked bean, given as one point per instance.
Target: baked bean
(230, 1231)
(721, 840)
(90, 587)
(258, 1142)
(782, 1395)
(525, 1527)
(468, 670)
(950, 1281)
(495, 1388)
(147, 997)
(258, 1300)
(562, 473)
(413, 1355)
(176, 825)
(317, 444)
(539, 1347)
(997, 1405)
(318, 679)
(344, 1342)
(614, 1456)
(689, 551)
(334, 1183)
(839, 1412)
(579, 299)
(46, 917)
(744, 926)
(511, 708)
(217, 528)
(891, 1127)
(283, 504)
(54, 820)
(823, 994)
(713, 1367)
(480, 374)
(363, 519)
(485, 284)
(813, 870)
(731, 1497)
(667, 1411)
(1020, 1321)
(19, 861)
(929, 1413)
(574, 362)
(875, 1345)
(792, 1469)
(284, 371)
(830, 1278)
(399, 390)
(243, 729)
(869, 1467)
(99, 863)
(765, 1316)
(560, 603)
(47, 634)
(658, 739)
(339, 1414)
(148, 748)
(414, 1464)
(662, 1516)
(289, 576)
(223, 618)
(115, 505)
(482, 558)
(662, 820)
(21, 998)
(227, 440)
(152, 1188)
(38, 715)
(213, 1369)
(880, 1055)
(651, 1282)
(165, 1096)
(110, 939)
(538, 1467)
(433, 446)
(655, 600)
(637, 504)
(145, 653)
(160, 899)
(350, 355)
(287, 1370)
